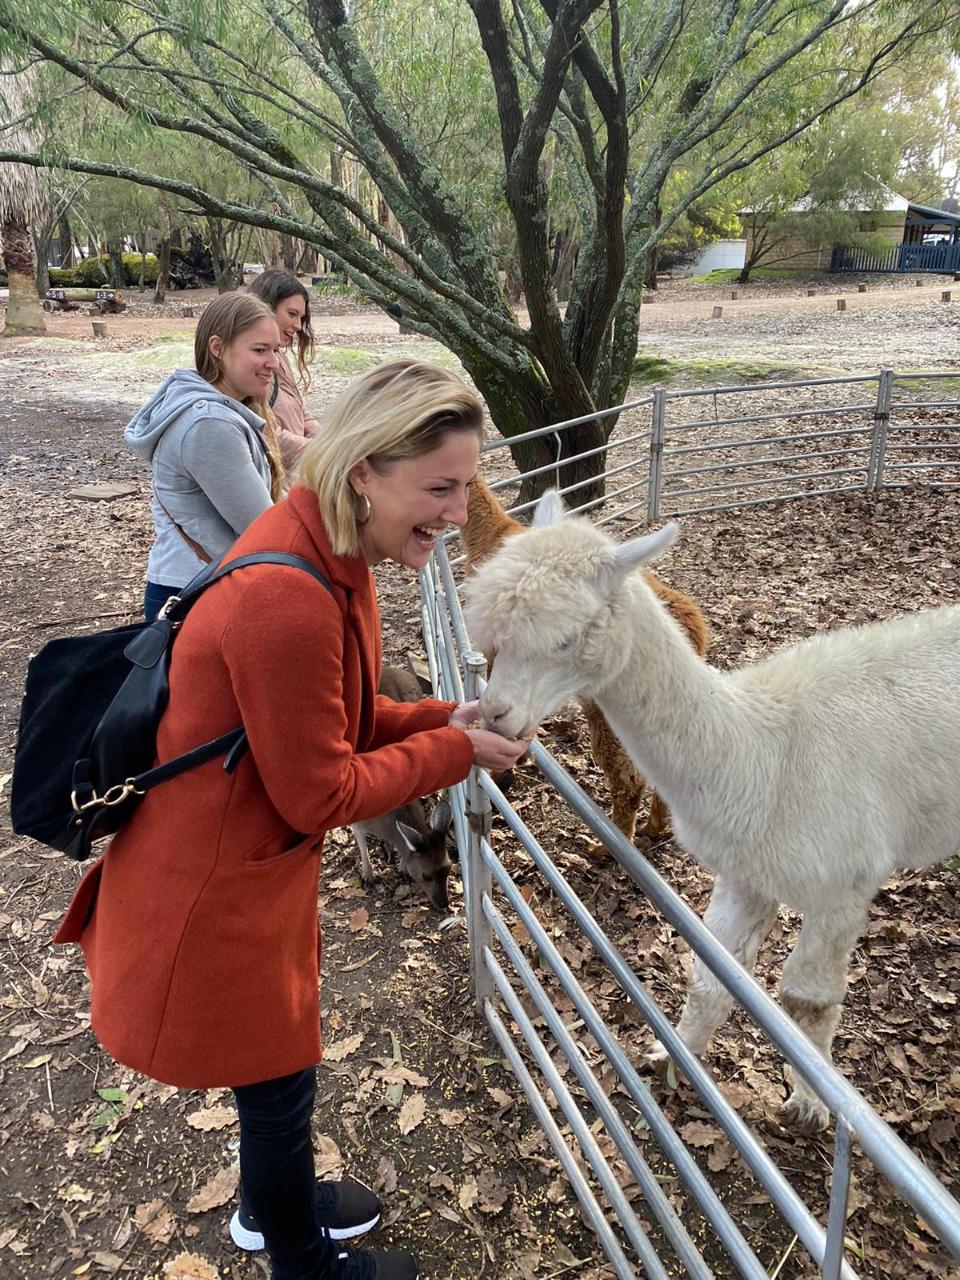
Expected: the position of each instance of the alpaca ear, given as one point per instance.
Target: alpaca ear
(549, 510)
(641, 551)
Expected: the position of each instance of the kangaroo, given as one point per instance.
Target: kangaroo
(420, 844)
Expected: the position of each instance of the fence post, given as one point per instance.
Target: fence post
(478, 880)
(657, 423)
(881, 423)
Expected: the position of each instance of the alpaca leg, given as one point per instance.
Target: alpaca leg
(812, 989)
(625, 785)
(658, 823)
(366, 870)
(740, 918)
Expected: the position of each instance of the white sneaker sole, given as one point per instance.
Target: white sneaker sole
(253, 1241)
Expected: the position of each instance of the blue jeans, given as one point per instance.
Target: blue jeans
(276, 1173)
(155, 597)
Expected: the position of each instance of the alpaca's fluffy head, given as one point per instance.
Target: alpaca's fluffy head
(546, 604)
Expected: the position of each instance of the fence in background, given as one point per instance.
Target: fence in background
(664, 461)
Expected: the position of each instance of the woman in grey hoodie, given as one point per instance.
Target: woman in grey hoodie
(203, 433)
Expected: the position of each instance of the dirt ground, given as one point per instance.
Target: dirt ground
(104, 1173)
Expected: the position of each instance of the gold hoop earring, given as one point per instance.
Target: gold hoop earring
(366, 511)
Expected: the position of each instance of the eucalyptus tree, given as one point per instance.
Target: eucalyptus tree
(567, 108)
(23, 204)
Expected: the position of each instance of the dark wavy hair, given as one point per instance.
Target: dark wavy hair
(272, 287)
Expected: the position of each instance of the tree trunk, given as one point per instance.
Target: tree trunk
(41, 246)
(65, 236)
(116, 274)
(163, 271)
(650, 257)
(288, 252)
(141, 283)
(24, 313)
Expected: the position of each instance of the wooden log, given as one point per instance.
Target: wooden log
(85, 295)
(945, 296)
(841, 304)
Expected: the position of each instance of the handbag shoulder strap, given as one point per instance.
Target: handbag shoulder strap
(193, 590)
(194, 546)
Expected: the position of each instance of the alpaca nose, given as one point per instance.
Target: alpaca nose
(493, 712)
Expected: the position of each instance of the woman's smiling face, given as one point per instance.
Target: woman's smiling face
(289, 314)
(416, 499)
(249, 361)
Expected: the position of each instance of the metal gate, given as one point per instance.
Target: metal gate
(864, 444)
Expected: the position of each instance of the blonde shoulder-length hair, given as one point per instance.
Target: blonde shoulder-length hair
(400, 409)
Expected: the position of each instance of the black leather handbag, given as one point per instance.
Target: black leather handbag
(86, 746)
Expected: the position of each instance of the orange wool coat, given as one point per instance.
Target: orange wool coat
(199, 924)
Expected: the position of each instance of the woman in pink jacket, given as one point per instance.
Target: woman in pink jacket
(289, 301)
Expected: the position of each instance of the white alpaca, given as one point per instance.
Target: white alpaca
(804, 779)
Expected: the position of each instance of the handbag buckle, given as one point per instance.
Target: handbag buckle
(112, 796)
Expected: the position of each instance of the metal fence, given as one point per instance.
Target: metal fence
(618, 1145)
(939, 259)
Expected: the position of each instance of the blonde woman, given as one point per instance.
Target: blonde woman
(199, 924)
(289, 301)
(205, 435)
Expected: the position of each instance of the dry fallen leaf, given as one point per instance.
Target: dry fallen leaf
(327, 1160)
(412, 1112)
(453, 1118)
(493, 1193)
(698, 1134)
(386, 1177)
(220, 1188)
(212, 1118)
(155, 1221)
(189, 1266)
(358, 920)
(469, 1194)
(341, 1049)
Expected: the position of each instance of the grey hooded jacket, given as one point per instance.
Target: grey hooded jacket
(210, 472)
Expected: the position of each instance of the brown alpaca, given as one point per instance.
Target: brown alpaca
(487, 526)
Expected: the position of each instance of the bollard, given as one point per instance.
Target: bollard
(811, 293)
(841, 304)
(945, 296)
(734, 295)
(717, 313)
(99, 328)
(861, 288)
(919, 284)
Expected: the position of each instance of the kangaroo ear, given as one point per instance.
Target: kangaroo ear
(549, 510)
(441, 817)
(410, 835)
(641, 551)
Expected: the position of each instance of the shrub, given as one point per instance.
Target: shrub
(64, 278)
(93, 273)
(131, 268)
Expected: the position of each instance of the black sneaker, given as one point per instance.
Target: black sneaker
(345, 1209)
(373, 1264)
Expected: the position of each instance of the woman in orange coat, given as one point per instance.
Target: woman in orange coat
(199, 923)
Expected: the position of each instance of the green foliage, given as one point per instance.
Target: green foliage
(64, 278)
(132, 265)
(650, 369)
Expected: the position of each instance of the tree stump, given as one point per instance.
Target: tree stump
(841, 304)
(945, 296)
(99, 328)
(734, 295)
(811, 293)
(919, 284)
(861, 288)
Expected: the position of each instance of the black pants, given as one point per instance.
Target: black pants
(155, 597)
(276, 1173)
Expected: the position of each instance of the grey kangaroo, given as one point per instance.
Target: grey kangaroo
(420, 844)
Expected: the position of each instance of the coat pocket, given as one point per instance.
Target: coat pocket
(276, 849)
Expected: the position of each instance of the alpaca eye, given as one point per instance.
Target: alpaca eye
(564, 645)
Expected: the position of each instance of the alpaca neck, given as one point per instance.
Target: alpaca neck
(693, 735)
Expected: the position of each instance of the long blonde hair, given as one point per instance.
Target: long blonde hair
(226, 318)
(400, 409)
